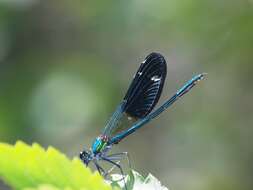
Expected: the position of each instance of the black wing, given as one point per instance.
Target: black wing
(146, 87)
(142, 95)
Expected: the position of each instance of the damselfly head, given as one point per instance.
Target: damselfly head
(86, 156)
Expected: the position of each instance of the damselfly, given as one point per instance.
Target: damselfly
(140, 99)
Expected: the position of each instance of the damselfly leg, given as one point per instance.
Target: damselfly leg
(119, 157)
(119, 167)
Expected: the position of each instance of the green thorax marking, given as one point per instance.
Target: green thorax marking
(99, 144)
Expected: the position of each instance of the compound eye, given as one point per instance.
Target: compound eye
(83, 155)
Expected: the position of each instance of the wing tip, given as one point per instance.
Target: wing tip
(154, 54)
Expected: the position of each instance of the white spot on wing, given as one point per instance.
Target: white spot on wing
(139, 73)
(156, 78)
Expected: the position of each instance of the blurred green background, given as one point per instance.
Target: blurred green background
(65, 65)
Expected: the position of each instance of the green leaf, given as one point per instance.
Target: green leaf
(26, 167)
(47, 187)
